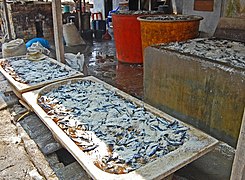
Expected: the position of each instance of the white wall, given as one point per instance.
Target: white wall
(210, 21)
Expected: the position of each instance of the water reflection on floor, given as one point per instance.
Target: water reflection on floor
(101, 62)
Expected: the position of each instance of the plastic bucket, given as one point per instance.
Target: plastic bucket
(127, 37)
(168, 28)
(66, 9)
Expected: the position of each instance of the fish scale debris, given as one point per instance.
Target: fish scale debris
(119, 135)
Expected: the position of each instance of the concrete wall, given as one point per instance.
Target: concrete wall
(215, 165)
(234, 8)
(179, 5)
(200, 93)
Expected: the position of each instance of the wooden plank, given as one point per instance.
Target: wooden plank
(58, 31)
(19, 88)
(198, 144)
(5, 9)
(238, 168)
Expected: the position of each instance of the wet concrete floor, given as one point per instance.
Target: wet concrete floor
(101, 62)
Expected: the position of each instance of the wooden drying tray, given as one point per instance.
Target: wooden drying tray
(198, 144)
(20, 88)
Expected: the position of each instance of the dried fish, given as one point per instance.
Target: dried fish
(119, 135)
(34, 72)
(171, 17)
(223, 51)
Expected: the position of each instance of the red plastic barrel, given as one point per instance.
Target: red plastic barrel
(126, 29)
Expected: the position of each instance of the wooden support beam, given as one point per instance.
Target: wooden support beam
(5, 9)
(238, 168)
(84, 7)
(79, 13)
(58, 31)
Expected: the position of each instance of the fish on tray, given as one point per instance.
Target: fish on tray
(217, 50)
(119, 135)
(31, 72)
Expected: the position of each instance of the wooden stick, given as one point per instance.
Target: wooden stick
(84, 6)
(58, 31)
(5, 9)
(238, 168)
(79, 13)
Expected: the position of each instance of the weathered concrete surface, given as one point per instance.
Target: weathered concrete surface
(231, 28)
(215, 165)
(207, 95)
(14, 160)
(40, 134)
(234, 8)
(35, 155)
(63, 164)
(73, 171)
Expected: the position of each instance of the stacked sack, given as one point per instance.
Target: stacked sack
(15, 47)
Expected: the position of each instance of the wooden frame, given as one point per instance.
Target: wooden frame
(21, 87)
(198, 144)
(238, 168)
